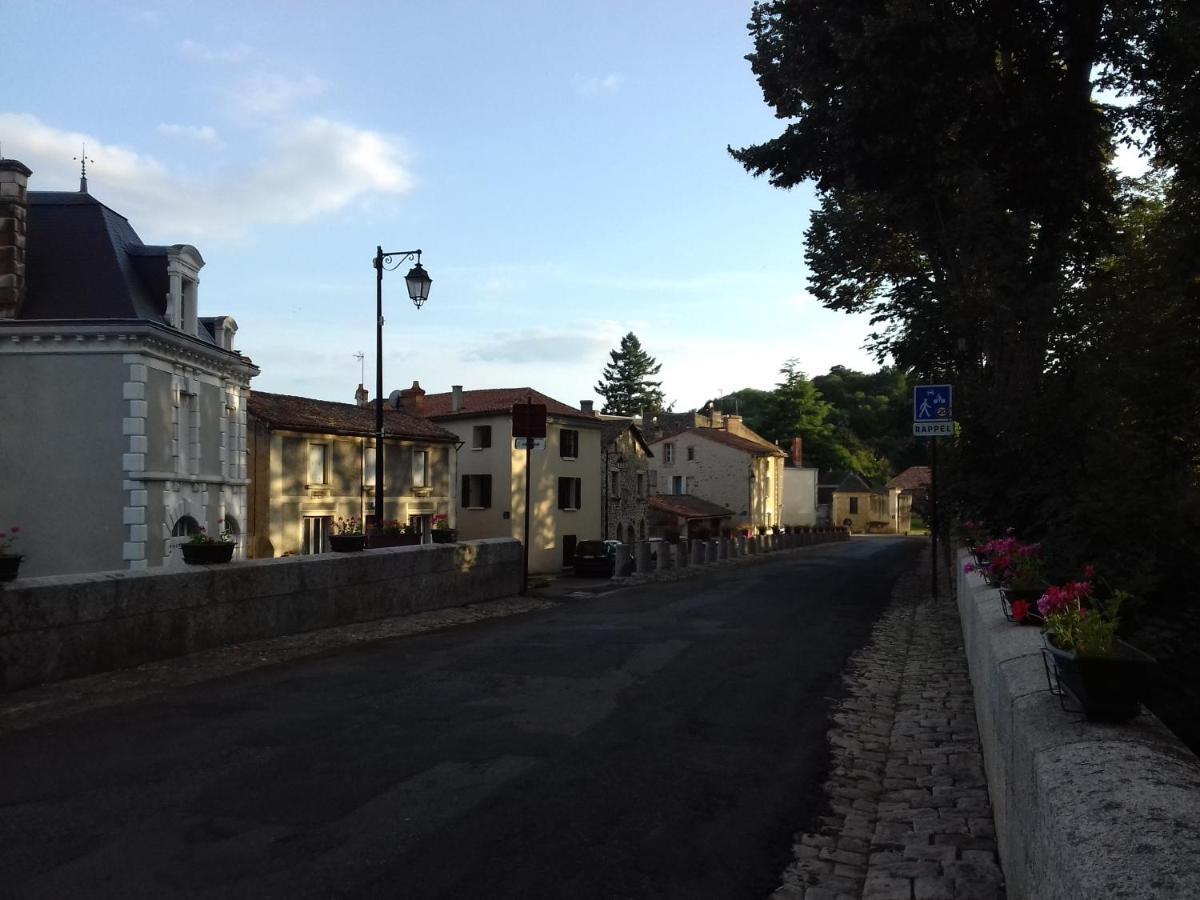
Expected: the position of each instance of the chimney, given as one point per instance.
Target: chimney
(14, 183)
(585, 406)
(797, 445)
(361, 397)
(456, 398)
(412, 400)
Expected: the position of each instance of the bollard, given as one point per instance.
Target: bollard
(666, 557)
(711, 552)
(621, 560)
(642, 556)
(697, 553)
(684, 551)
(723, 548)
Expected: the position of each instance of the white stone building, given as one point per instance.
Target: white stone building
(123, 409)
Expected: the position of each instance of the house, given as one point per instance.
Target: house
(799, 501)
(313, 461)
(862, 508)
(915, 482)
(123, 409)
(726, 464)
(627, 484)
(566, 498)
(683, 517)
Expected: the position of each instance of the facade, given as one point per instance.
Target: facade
(683, 517)
(864, 509)
(627, 482)
(916, 482)
(729, 466)
(313, 461)
(124, 410)
(799, 503)
(565, 491)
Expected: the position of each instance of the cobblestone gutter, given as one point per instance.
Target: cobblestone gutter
(909, 815)
(1083, 809)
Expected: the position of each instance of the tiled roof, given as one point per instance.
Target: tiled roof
(913, 478)
(499, 401)
(853, 484)
(756, 446)
(611, 429)
(328, 417)
(687, 506)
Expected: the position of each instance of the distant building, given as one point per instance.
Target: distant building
(684, 517)
(627, 482)
(313, 461)
(865, 509)
(123, 409)
(915, 482)
(799, 502)
(565, 490)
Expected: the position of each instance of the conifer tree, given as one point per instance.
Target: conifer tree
(626, 384)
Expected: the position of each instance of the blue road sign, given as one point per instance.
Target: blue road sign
(933, 403)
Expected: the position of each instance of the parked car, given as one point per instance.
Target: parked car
(599, 557)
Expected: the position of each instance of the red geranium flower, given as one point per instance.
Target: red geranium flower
(1020, 609)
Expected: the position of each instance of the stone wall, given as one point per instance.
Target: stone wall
(1082, 809)
(71, 625)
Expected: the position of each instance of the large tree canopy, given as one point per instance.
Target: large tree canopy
(626, 384)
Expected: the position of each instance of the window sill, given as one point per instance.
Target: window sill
(568, 509)
(475, 508)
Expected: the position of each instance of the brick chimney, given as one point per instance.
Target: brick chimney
(585, 406)
(361, 397)
(797, 447)
(14, 183)
(412, 400)
(456, 398)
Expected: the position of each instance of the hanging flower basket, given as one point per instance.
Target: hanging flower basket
(1108, 688)
(1020, 605)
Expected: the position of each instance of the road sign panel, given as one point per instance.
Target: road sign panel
(933, 403)
(529, 443)
(529, 420)
(933, 429)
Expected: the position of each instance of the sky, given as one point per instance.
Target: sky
(562, 166)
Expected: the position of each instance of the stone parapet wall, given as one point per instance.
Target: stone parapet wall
(66, 626)
(1082, 809)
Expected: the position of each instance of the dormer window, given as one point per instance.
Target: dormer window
(183, 275)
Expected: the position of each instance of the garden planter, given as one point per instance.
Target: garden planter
(1030, 596)
(347, 543)
(207, 554)
(393, 540)
(9, 564)
(445, 535)
(1108, 688)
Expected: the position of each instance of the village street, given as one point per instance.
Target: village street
(659, 740)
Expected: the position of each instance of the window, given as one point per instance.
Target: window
(570, 492)
(369, 466)
(853, 505)
(316, 463)
(481, 437)
(568, 443)
(691, 453)
(654, 481)
(677, 485)
(185, 527)
(641, 484)
(316, 535)
(668, 454)
(420, 468)
(614, 485)
(476, 492)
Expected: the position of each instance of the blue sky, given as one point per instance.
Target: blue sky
(562, 165)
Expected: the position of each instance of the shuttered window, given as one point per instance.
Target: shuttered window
(476, 492)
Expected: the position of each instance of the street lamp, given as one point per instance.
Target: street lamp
(418, 282)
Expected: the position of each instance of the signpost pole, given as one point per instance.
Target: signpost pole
(933, 517)
(525, 559)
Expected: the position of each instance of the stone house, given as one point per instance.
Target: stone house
(728, 465)
(124, 420)
(915, 482)
(313, 461)
(566, 499)
(683, 517)
(799, 503)
(626, 477)
(864, 509)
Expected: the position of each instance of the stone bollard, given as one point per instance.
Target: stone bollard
(723, 548)
(683, 554)
(641, 552)
(697, 553)
(666, 557)
(621, 560)
(752, 545)
(713, 549)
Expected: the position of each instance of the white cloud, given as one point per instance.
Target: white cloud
(272, 94)
(539, 346)
(201, 134)
(596, 85)
(203, 53)
(165, 206)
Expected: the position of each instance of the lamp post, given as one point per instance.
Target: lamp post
(418, 282)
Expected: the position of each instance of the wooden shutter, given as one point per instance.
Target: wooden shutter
(466, 491)
(485, 488)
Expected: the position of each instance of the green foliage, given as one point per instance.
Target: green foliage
(626, 385)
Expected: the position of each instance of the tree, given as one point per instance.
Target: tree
(626, 386)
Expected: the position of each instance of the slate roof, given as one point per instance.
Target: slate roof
(687, 506)
(499, 401)
(328, 417)
(757, 446)
(611, 429)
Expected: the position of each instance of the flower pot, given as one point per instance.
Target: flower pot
(9, 564)
(207, 554)
(1010, 596)
(445, 535)
(347, 543)
(375, 541)
(1108, 688)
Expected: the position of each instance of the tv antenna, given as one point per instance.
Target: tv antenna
(362, 368)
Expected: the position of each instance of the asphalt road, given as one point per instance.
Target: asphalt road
(660, 741)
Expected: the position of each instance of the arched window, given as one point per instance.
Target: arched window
(620, 532)
(185, 527)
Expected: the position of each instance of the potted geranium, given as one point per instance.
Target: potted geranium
(9, 562)
(347, 536)
(202, 549)
(442, 532)
(1106, 675)
(1017, 570)
(394, 534)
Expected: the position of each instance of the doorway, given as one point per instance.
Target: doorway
(568, 557)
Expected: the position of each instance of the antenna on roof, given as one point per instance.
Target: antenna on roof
(83, 160)
(362, 369)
